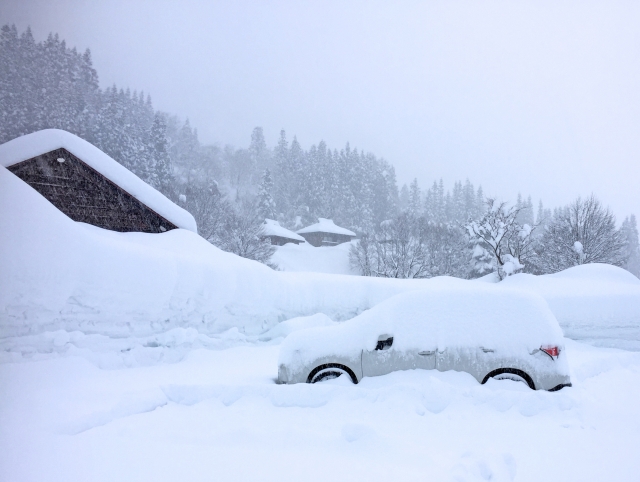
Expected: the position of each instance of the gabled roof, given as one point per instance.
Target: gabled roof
(32, 145)
(273, 228)
(325, 226)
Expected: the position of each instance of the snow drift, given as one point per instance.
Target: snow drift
(59, 274)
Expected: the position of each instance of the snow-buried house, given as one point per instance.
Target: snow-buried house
(279, 236)
(89, 186)
(326, 233)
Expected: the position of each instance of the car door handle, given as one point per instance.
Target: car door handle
(427, 353)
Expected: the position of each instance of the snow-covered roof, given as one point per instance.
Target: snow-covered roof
(41, 142)
(273, 228)
(325, 226)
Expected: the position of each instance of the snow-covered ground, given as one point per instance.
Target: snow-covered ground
(128, 356)
(218, 415)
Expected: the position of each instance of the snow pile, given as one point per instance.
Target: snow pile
(273, 228)
(326, 226)
(41, 142)
(305, 257)
(59, 274)
(458, 316)
(598, 303)
(284, 329)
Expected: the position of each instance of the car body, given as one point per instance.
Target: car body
(484, 330)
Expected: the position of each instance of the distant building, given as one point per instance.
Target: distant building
(326, 233)
(278, 235)
(89, 186)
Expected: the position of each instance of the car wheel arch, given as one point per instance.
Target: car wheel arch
(338, 366)
(514, 371)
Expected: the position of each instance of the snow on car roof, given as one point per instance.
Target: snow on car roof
(453, 316)
(325, 226)
(273, 228)
(41, 142)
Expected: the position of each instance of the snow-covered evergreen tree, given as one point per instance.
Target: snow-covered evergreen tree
(629, 231)
(414, 208)
(266, 206)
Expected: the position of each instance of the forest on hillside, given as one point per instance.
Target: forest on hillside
(406, 232)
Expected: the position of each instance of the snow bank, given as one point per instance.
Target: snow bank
(598, 303)
(305, 257)
(273, 228)
(326, 226)
(284, 329)
(59, 274)
(41, 142)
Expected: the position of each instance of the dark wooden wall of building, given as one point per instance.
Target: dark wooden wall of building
(326, 239)
(87, 196)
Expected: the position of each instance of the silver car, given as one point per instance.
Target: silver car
(486, 331)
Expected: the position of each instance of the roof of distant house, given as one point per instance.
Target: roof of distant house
(325, 226)
(273, 228)
(32, 145)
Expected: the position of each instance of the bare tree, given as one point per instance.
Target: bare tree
(242, 234)
(362, 256)
(583, 232)
(207, 207)
(446, 249)
(395, 251)
(501, 244)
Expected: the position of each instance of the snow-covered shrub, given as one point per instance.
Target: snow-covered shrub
(500, 243)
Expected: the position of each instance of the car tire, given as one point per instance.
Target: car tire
(329, 371)
(510, 374)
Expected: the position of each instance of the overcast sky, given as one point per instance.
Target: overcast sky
(530, 97)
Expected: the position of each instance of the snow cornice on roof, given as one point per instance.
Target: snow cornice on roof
(326, 226)
(44, 141)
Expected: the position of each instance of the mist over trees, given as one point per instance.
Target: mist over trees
(404, 233)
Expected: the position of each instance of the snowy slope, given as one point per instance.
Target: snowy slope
(47, 140)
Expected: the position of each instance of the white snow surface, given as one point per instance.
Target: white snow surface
(47, 140)
(272, 227)
(325, 226)
(59, 274)
(305, 257)
(218, 415)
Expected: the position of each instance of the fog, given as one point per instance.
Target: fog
(529, 97)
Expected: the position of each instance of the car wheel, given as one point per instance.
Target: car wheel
(510, 374)
(329, 371)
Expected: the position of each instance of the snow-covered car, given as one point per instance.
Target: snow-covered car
(485, 330)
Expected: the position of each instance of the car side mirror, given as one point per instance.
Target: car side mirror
(384, 342)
